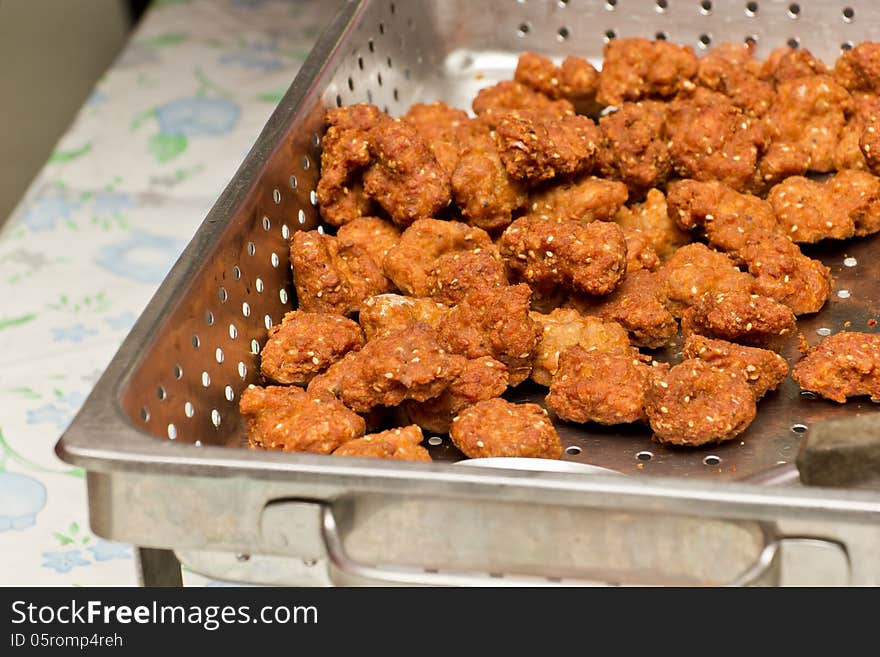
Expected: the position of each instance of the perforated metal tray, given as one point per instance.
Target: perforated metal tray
(165, 412)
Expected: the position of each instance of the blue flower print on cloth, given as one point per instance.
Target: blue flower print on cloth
(59, 413)
(257, 56)
(112, 203)
(75, 333)
(107, 550)
(140, 256)
(64, 562)
(197, 117)
(46, 211)
(21, 499)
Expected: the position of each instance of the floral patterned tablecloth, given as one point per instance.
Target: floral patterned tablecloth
(123, 192)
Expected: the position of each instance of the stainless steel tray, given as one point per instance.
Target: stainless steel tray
(159, 435)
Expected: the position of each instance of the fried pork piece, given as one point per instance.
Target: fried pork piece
(694, 270)
(695, 403)
(635, 69)
(585, 199)
(638, 304)
(566, 327)
(409, 262)
(480, 379)
(405, 178)
(536, 146)
(807, 117)
(401, 444)
(492, 102)
(788, 63)
(345, 153)
(332, 277)
(844, 205)
(290, 419)
(730, 69)
(486, 195)
(494, 322)
(869, 145)
(373, 235)
(575, 79)
(843, 365)
(738, 317)
(385, 314)
(305, 344)
(859, 69)
(763, 369)
(712, 139)
(455, 275)
(442, 127)
(496, 427)
(653, 220)
(639, 252)
(785, 274)
(595, 386)
(389, 369)
(633, 148)
(730, 218)
(863, 114)
(585, 257)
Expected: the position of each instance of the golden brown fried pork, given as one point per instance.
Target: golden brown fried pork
(730, 69)
(583, 199)
(636, 69)
(713, 139)
(859, 69)
(738, 317)
(729, 218)
(694, 270)
(536, 146)
(290, 419)
(634, 147)
(863, 114)
(596, 386)
(480, 379)
(305, 344)
(443, 128)
(494, 322)
(456, 275)
(481, 186)
(405, 178)
(373, 235)
(763, 369)
(384, 314)
(806, 117)
(496, 427)
(639, 252)
(695, 403)
(843, 365)
(846, 204)
(492, 102)
(566, 327)
(389, 369)
(785, 274)
(787, 63)
(575, 80)
(653, 220)
(584, 257)
(345, 153)
(401, 444)
(332, 277)
(409, 263)
(639, 305)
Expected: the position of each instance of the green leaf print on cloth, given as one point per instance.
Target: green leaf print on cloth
(167, 147)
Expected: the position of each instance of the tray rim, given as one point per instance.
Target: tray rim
(103, 439)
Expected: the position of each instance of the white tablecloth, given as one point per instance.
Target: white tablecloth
(123, 192)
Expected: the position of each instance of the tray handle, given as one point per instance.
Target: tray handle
(346, 571)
